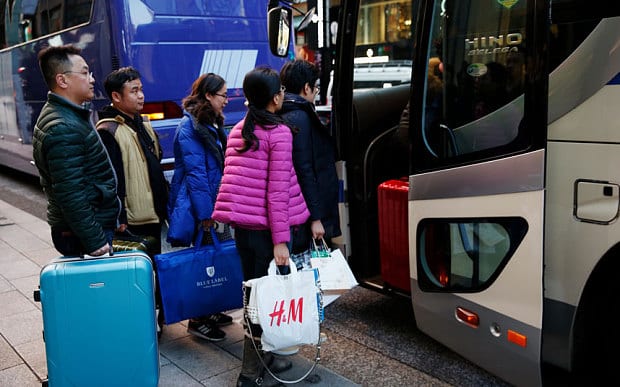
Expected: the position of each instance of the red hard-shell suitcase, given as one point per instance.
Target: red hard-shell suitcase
(99, 321)
(393, 235)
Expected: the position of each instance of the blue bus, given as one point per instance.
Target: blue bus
(170, 42)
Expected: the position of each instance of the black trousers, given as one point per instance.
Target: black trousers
(255, 248)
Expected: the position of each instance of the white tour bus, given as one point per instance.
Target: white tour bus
(513, 149)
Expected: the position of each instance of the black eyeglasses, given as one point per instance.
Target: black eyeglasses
(317, 88)
(225, 96)
(282, 89)
(87, 74)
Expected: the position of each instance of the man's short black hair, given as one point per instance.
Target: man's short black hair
(117, 79)
(55, 60)
(294, 75)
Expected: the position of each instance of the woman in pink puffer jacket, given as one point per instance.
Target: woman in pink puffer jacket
(259, 194)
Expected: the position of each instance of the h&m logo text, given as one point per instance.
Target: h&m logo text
(282, 316)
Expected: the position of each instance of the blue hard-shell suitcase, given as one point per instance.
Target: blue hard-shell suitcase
(99, 321)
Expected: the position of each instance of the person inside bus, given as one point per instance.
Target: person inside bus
(262, 233)
(515, 68)
(199, 146)
(74, 168)
(313, 154)
(432, 109)
(135, 153)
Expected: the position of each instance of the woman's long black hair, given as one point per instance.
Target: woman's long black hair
(199, 106)
(259, 87)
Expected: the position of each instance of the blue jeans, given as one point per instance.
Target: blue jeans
(69, 245)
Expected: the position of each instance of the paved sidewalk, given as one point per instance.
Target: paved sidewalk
(25, 246)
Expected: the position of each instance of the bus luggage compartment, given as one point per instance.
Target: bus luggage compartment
(393, 235)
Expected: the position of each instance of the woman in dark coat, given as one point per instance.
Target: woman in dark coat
(313, 154)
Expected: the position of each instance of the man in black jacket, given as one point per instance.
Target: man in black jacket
(313, 154)
(74, 168)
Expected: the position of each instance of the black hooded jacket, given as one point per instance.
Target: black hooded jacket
(314, 160)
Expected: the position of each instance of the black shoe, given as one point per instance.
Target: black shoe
(219, 319)
(244, 381)
(205, 331)
(277, 364)
(160, 323)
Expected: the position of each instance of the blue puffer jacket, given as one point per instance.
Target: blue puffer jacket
(196, 179)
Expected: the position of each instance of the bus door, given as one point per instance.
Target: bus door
(477, 183)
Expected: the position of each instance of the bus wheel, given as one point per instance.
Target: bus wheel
(596, 341)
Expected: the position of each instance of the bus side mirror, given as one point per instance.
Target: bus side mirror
(279, 30)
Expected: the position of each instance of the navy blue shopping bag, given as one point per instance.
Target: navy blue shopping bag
(200, 280)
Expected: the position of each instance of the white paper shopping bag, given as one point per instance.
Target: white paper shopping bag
(335, 273)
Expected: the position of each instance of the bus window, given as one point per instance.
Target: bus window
(477, 251)
(383, 48)
(26, 20)
(199, 7)
(4, 17)
(481, 79)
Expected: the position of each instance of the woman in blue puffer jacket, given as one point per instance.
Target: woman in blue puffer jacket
(199, 145)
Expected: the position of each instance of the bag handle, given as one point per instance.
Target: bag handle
(262, 360)
(274, 269)
(321, 250)
(200, 235)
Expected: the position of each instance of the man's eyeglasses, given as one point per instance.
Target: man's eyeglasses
(317, 88)
(87, 74)
(282, 89)
(225, 96)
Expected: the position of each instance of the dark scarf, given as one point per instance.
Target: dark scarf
(209, 140)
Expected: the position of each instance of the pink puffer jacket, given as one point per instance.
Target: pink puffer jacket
(259, 189)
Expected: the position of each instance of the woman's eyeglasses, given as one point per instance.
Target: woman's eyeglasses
(225, 96)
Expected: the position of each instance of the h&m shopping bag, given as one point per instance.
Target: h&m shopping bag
(287, 307)
(200, 280)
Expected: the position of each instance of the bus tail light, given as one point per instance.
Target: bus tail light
(444, 279)
(161, 110)
(468, 317)
(517, 338)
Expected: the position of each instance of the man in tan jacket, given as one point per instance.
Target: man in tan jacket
(134, 149)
